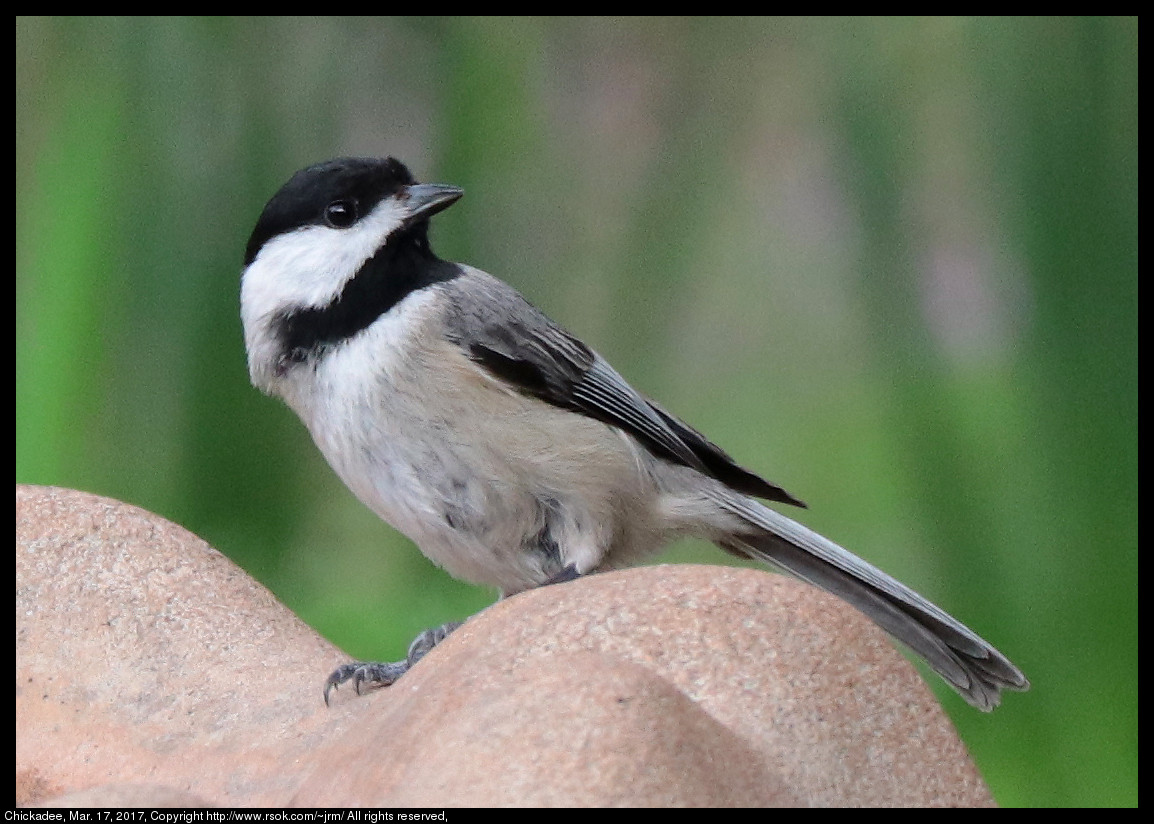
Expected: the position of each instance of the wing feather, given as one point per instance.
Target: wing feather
(516, 343)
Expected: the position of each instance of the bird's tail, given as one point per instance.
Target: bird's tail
(970, 665)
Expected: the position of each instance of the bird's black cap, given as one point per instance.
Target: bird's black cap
(363, 181)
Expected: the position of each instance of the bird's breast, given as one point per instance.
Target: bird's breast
(497, 487)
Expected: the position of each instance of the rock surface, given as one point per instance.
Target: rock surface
(138, 649)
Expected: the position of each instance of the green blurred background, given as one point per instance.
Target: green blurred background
(891, 264)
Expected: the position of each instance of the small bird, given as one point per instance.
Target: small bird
(509, 451)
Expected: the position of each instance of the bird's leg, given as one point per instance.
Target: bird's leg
(383, 674)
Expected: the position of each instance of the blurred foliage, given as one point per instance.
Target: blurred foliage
(889, 263)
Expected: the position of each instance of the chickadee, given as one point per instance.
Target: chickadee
(510, 452)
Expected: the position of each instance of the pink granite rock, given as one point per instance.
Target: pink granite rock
(150, 667)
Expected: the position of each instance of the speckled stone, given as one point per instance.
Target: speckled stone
(147, 660)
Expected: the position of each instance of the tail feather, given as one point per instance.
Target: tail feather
(968, 663)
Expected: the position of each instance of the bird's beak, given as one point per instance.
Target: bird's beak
(426, 199)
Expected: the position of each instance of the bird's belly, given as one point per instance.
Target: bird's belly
(504, 497)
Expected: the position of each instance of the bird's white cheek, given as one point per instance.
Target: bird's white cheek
(310, 266)
(304, 269)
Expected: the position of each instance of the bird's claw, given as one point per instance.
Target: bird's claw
(384, 674)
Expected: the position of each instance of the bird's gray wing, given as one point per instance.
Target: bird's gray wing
(517, 343)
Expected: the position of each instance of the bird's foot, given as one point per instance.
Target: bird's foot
(383, 674)
(567, 574)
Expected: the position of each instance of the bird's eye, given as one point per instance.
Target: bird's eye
(341, 214)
